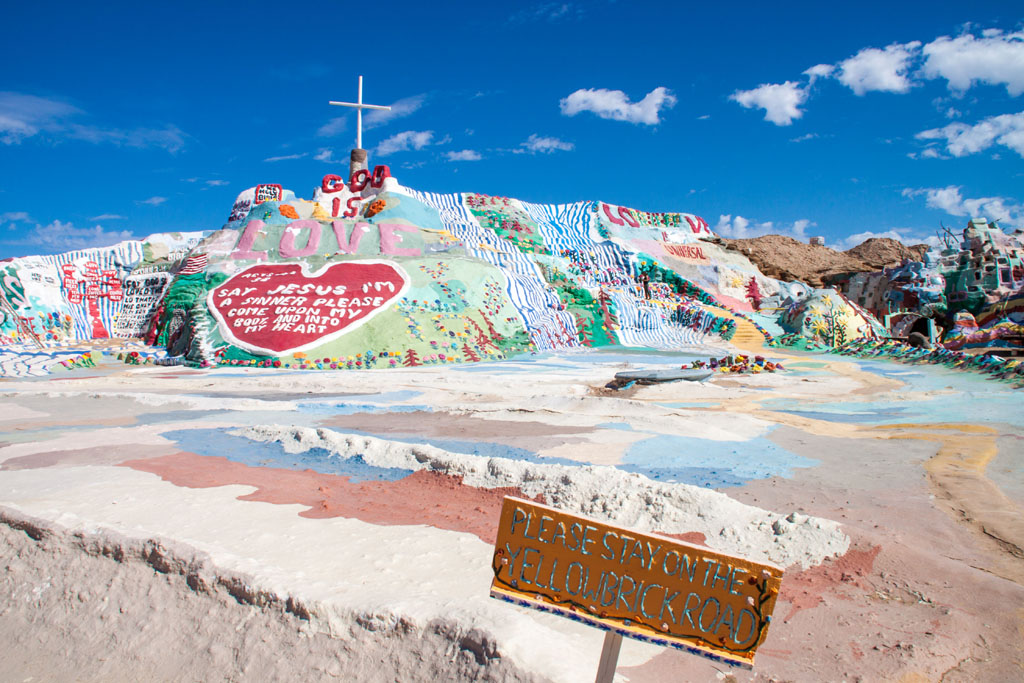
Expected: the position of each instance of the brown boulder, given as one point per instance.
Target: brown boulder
(787, 259)
(883, 252)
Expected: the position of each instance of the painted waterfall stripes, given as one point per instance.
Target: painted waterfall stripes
(563, 227)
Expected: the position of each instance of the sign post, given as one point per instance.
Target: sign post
(640, 585)
(609, 657)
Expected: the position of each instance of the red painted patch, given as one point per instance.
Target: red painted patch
(805, 590)
(274, 308)
(692, 537)
(437, 500)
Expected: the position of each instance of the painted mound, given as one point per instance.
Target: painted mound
(373, 274)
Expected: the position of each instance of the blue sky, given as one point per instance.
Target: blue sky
(124, 119)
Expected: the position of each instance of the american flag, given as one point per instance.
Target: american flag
(194, 264)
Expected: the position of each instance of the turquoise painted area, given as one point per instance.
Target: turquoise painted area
(218, 442)
(930, 394)
(768, 322)
(404, 208)
(709, 463)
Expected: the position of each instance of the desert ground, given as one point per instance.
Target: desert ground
(167, 523)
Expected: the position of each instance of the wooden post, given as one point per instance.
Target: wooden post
(609, 657)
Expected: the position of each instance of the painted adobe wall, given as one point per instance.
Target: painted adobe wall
(90, 293)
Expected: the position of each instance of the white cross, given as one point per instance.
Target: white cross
(359, 107)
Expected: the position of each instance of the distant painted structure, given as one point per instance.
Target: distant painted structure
(987, 267)
(982, 275)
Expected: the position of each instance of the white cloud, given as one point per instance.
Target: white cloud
(326, 155)
(613, 104)
(805, 137)
(874, 69)
(738, 227)
(108, 217)
(216, 183)
(20, 216)
(536, 144)
(464, 155)
(780, 101)
(547, 12)
(24, 116)
(59, 236)
(819, 71)
(963, 139)
(949, 199)
(286, 157)
(153, 201)
(336, 125)
(995, 58)
(375, 118)
(170, 138)
(400, 142)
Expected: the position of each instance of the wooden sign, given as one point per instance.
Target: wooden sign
(639, 585)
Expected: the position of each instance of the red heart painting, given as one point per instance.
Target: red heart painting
(275, 308)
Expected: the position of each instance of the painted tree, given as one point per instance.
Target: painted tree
(483, 342)
(469, 353)
(754, 294)
(476, 326)
(412, 359)
(490, 327)
(582, 324)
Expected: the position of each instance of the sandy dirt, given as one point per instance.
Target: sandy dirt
(103, 607)
(146, 538)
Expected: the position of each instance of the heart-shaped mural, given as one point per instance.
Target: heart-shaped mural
(276, 308)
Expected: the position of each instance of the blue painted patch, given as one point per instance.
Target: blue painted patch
(694, 476)
(187, 415)
(217, 442)
(623, 426)
(709, 463)
(929, 395)
(392, 396)
(346, 408)
(565, 360)
(856, 417)
(518, 364)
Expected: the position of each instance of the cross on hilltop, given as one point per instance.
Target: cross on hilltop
(357, 159)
